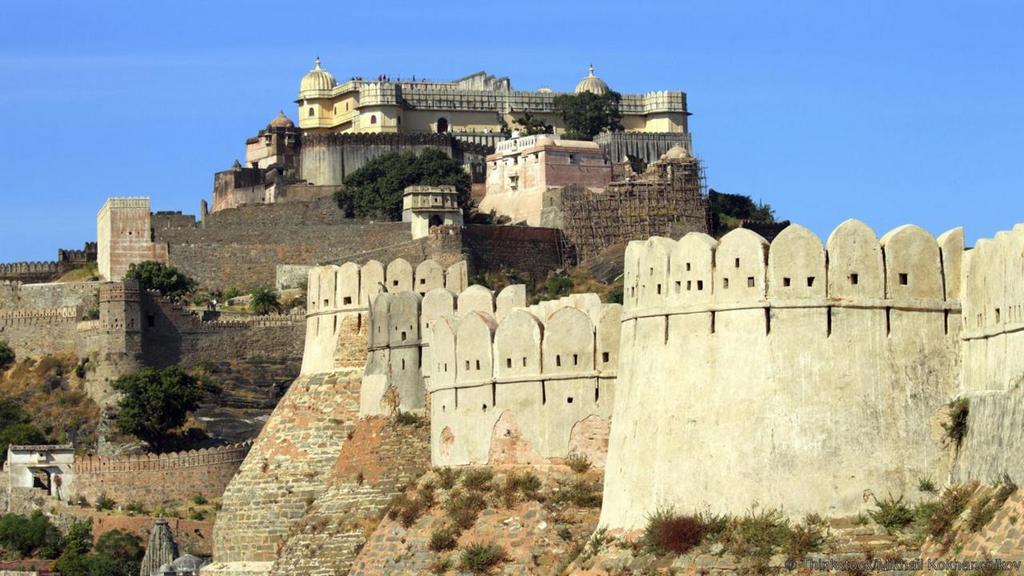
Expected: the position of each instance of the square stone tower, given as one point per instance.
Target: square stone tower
(124, 236)
(429, 206)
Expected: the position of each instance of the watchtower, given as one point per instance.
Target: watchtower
(429, 206)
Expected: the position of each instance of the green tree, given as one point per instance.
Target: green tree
(32, 535)
(166, 280)
(117, 553)
(528, 125)
(375, 190)
(155, 401)
(16, 427)
(6, 355)
(264, 301)
(727, 210)
(586, 114)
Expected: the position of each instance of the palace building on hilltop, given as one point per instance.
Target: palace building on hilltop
(477, 108)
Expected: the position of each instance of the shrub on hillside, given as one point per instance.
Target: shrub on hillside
(891, 513)
(155, 401)
(6, 355)
(479, 558)
(464, 507)
(264, 301)
(577, 462)
(16, 427)
(165, 279)
(670, 533)
(478, 479)
(32, 535)
(375, 190)
(956, 425)
(444, 538)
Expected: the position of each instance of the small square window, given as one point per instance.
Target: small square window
(903, 278)
(347, 300)
(854, 278)
(785, 282)
(604, 357)
(569, 400)
(750, 281)
(810, 281)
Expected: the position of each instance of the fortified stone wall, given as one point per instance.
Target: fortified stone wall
(788, 375)
(175, 335)
(325, 159)
(515, 385)
(28, 272)
(153, 479)
(535, 252)
(992, 348)
(42, 319)
(336, 292)
(241, 247)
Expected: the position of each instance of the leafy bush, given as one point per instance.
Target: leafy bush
(479, 558)
(197, 515)
(375, 190)
(579, 492)
(104, 502)
(441, 565)
(579, 463)
(155, 401)
(892, 513)
(956, 426)
(938, 517)
(444, 538)
(926, 485)
(264, 301)
(558, 286)
(807, 536)
(525, 483)
(199, 500)
(447, 477)
(406, 510)
(30, 535)
(166, 280)
(464, 507)
(478, 479)
(117, 553)
(407, 418)
(986, 507)
(670, 533)
(6, 355)
(757, 534)
(135, 508)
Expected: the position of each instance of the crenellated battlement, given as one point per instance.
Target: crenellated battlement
(521, 384)
(792, 374)
(907, 270)
(39, 316)
(167, 461)
(336, 291)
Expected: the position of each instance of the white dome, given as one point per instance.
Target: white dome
(316, 79)
(592, 84)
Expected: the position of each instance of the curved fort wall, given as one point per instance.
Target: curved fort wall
(334, 292)
(152, 479)
(790, 375)
(520, 385)
(992, 351)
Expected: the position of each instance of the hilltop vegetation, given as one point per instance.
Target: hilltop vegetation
(44, 401)
(375, 190)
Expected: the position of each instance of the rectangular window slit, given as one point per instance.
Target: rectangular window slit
(558, 360)
(604, 357)
(700, 284)
(903, 278)
(725, 282)
(767, 321)
(688, 283)
(828, 321)
(679, 286)
(810, 281)
(750, 281)
(888, 321)
(737, 262)
(508, 362)
(575, 360)
(785, 282)
(854, 278)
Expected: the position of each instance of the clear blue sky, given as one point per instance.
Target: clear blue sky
(891, 112)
